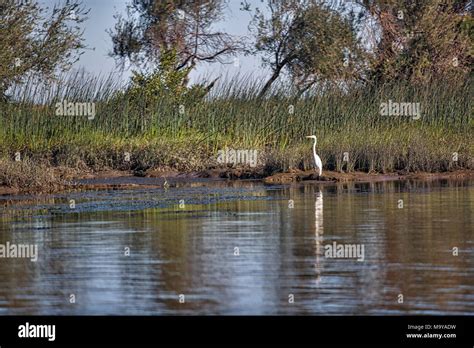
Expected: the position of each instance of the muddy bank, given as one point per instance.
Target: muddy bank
(69, 179)
(296, 175)
(329, 176)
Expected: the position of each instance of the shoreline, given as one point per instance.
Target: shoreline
(109, 179)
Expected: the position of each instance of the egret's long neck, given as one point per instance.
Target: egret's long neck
(314, 146)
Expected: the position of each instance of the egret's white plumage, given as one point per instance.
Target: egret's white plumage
(317, 159)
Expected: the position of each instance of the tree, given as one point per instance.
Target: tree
(306, 38)
(164, 82)
(34, 43)
(155, 27)
(326, 47)
(273, 35)
(419, 40)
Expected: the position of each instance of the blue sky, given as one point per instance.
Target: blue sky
(97, 61)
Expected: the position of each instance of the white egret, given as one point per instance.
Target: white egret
(317, 159)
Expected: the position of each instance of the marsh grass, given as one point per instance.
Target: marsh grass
(186, 134)
(29, 176)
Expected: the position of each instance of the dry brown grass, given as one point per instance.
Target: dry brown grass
(27, 176)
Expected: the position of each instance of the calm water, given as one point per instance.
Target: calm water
(281, 233)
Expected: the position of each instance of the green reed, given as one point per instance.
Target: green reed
(185, 134)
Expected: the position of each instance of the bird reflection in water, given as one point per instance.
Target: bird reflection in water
(318, 227)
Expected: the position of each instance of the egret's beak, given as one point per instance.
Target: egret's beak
(308, 136)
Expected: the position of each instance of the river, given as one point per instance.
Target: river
(243, 248)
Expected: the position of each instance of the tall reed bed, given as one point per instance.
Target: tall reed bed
(186, 134)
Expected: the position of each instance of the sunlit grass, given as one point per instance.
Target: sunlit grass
(186, 135)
